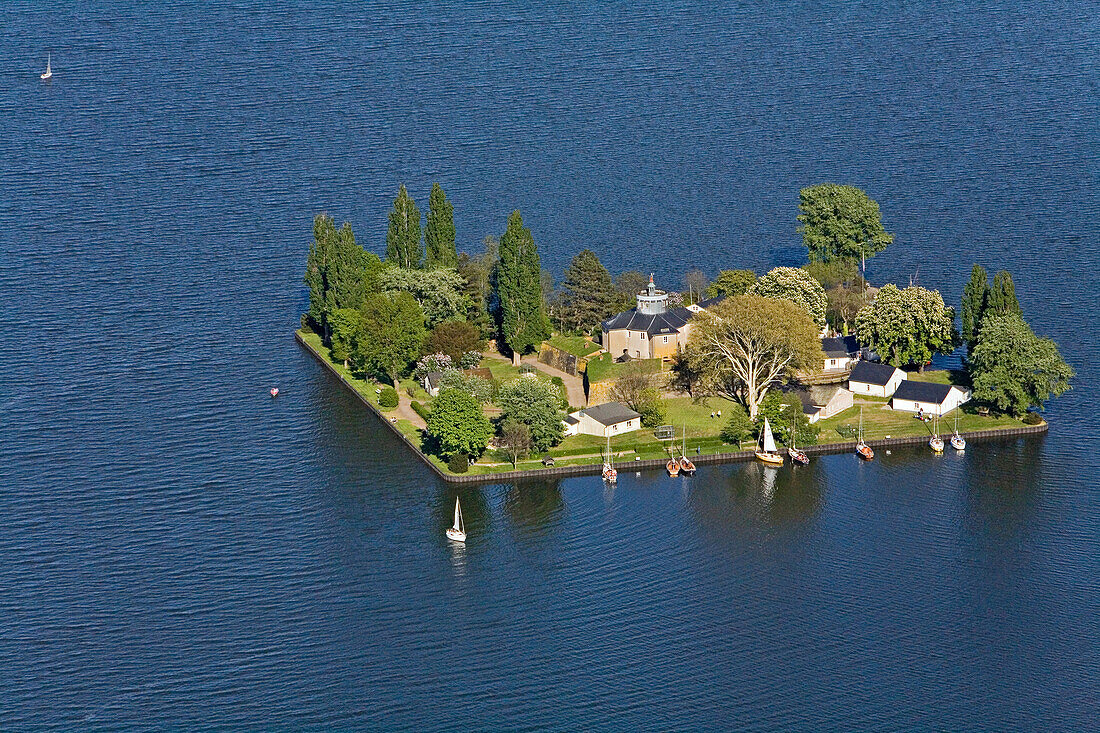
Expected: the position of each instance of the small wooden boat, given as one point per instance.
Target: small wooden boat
(936, 442)
(274, 391)
(766, 451)
(49, 72)
(686, 466)
(673, 467)
(797, 457)
(458, 531)
(862, 449)
(957, 441)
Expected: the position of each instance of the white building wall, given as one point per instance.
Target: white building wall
(954, 398)
(875, 390)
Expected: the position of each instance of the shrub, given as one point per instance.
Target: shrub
(470, 360)
(1032, 418)
(458, 463)
(481, 389)
(431, 363)
(651, 407)
(456, 424)
(419, 409)
(455, 339)
(388, 399)
(536, 404)
(557, 381)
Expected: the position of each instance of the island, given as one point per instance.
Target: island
(488, 370)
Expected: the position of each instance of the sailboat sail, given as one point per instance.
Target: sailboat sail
(769, 441)
(458, 517)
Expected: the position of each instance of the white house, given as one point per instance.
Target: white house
(929, 398)
(430, 383)
(876, 380)
(822, 401)
(841, 352)
(607, 420)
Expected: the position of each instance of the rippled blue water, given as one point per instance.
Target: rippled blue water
(177, 549)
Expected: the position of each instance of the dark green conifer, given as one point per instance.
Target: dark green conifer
(521, 311)
(589, 294)
(975, 300)
(403, 236)
(1002, 296)
(439, 231)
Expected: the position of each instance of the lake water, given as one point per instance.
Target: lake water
(177, 549)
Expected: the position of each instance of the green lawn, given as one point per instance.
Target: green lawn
(881, 422)
(578, 346)
(604, 367)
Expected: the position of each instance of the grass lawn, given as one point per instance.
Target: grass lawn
(578, 346)
(880, 422)
(605, 367)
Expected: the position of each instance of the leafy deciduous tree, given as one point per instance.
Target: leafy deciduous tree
(515, 440)
(738, 427)
(481, 389)
(1013, 369)
(1002, 296)
(907, 326)
(440, 293)
(391, 336)
(456, 425)
(797, 286)
(536, 404)
(740, 347)
(454, 338)
(731, 282)
(840, 223)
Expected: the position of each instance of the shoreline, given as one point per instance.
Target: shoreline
(596, 468)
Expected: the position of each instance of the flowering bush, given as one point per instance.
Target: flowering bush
(470, 360)
(431, 363)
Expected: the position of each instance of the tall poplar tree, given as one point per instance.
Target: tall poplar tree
(339, 273)
(1002, 296)
(589, 295)
(975, 300)
(403, 236)
(521, 311)
(439, 231)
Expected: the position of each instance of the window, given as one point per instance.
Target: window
(666, 339)
(642, 335)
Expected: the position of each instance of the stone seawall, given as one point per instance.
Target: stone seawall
(659, 463)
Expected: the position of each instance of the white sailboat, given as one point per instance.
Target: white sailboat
(49, 72)
(862, 449)
(797, 457)
(936, 442)
(686, 466)
(957, 441)
(767, 451)
(458, 531)
(610, 475)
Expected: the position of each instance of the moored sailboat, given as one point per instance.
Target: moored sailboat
(458, 531)
(673, 466)
(610, 475)
(686, 466)
(936, 442)
(957, 440)
(766, 451)
(862, 449)
(797, 457)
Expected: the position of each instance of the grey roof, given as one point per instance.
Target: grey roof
(840, 346)
(656, 324)
(816, 397)
(434, 377)
(871, 373)
(570, 420)
(610, 413)
(913, 391)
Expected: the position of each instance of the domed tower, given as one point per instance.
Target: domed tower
(652, 301)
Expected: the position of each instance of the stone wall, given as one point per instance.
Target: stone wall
(563, 360)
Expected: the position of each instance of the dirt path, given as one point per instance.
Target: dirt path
(405, 410)
(574, 386)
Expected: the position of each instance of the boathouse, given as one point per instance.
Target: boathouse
(928, 397)
(606, 420)
(875, 380)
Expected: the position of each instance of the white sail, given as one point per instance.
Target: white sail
(458, 517)
(769, 441)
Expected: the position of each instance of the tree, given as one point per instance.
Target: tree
(440, 293)
(633, 379)
(731, 282)
(628, 284)
(651, 407)
(738, 427)
(456, 425)
(536, 404)
(589, 297)
(429, 363)
(840, 223)
(1013, 369)
(515, 440)
(403, 236)
(834, 272)
(339, 273)
(797, 286)
(975, 301)
(439, 231)
(1002, 296)
(740, 347)
(696, 281)
(477, 272)
(454, 338)
(522, 315)
(907, 326)
(480, 389)
(391, 335)
(844, 304)
(781, 409)
(345, 325)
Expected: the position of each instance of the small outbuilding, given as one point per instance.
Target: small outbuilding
(823, 400)
(606, 420)
(430, 382)
(928, 397)
(875, 380)
(841, 353)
